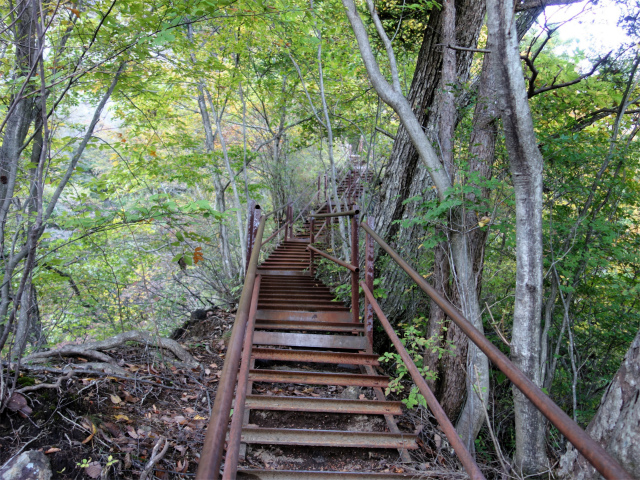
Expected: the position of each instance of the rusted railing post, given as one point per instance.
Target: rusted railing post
(312, 267)
(211, 456)
(286, 223)
(325, 188)
(253, 221)
(355, 291)
(368, 279)
(235, 431)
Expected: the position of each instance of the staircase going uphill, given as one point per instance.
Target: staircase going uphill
(317, 401)
(301, 383)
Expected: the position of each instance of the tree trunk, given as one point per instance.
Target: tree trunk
(227, 265)
(403, 177)
(616, 426)
(526, 171)
(462, 267)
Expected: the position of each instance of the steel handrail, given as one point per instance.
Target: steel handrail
(447, 427)
(588, 447)
(211, 456)
(337, 214)
(353, 268)
(235, 431)
(273, 235)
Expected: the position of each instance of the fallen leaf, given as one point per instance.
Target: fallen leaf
(112, 428)
(52, 450)
(90, 437)
(198, 417)
(116, 399)
(130, 398)
(94, 469)
(121, 418)
(132, 433)
(180, 420)
(17, 403)
(189, 410)
(84, 360)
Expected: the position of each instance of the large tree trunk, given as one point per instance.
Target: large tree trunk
(403, 176)
(526, 171)
(616, 426)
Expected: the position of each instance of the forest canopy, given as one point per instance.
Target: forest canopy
(136, 135)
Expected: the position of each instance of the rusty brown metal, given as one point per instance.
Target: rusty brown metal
(336, 214)
(235, 431)
(211, 455)
(312, 265)
(589, 448)
(318, 378)
(284, 315)
(447, 427)
(254, 474)
(324, 405)
(328, 438)
(368, 279)
(253, 222)
(355, 261)
(314, 356)
(324, 224)
(347, 342)
(311, 326)
(353, 268)
(273, 235)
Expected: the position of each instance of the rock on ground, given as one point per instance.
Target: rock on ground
(31, 465)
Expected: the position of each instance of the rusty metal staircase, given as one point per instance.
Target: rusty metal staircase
(295, 350)
(315, 345)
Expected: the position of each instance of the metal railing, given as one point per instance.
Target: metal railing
(595, 454)
(239, 347)
(241, 340)
(589, 448)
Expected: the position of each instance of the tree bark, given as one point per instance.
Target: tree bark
(526, 171)
(477, 364)
(403, 177)
(616, 426)
(227, 265)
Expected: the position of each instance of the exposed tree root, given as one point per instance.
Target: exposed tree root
(94, 349)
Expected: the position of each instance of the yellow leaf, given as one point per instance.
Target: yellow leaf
(93, 432)
(121, 418)
(75, 11)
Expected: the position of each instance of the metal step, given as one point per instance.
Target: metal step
(288, 315)
(310, 475)
(305, 308)
(282, 339)
(311, 301)
(323, 405)
(318, 378)
(309, 326)
(267, 271)
(312, 356)
(327, 438)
